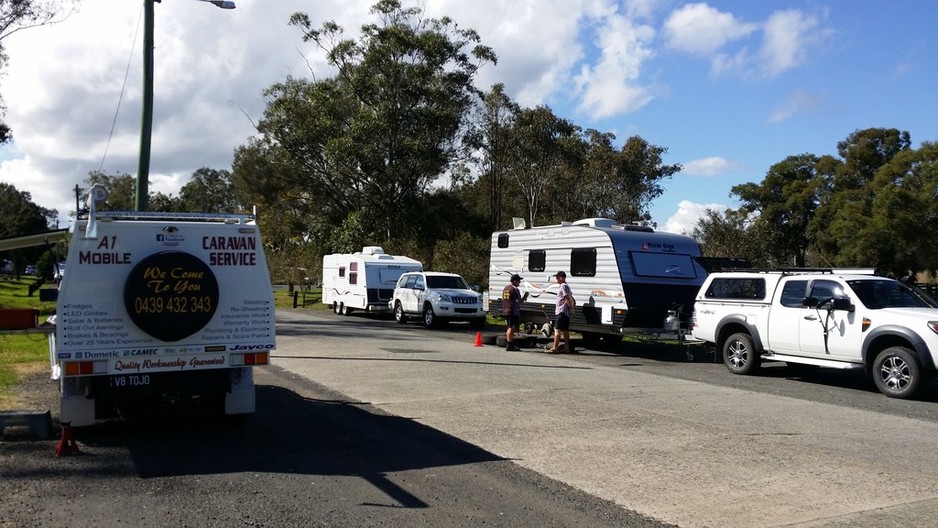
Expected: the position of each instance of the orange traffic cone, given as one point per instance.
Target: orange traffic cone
(67, 445)
(478, 339)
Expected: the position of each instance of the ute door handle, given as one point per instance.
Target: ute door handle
(810, 318)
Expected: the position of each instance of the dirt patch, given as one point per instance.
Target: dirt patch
(35, 390)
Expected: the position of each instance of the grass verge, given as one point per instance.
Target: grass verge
(20, 353)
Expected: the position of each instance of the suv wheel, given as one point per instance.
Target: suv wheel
(896, 372)
(399, 313)
(429, 318)
(739, 354)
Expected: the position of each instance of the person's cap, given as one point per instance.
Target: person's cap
(516, 277)
(559, 274)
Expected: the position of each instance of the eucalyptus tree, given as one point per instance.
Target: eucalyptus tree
(849, 208)
(731, 234)
(541, 146)
(490, 141)
(209, 190)
(20, 216)
(639, 174)
(373, 138)
(785, 202)
(902, 233)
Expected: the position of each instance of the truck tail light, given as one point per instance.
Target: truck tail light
(252, 358)
(85, 368)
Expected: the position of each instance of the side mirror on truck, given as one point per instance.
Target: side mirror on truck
(834, 303)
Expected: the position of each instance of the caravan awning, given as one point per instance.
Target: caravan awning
(39, 239)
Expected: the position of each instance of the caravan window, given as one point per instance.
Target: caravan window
(667, 265)
(537, 260)
(388, 276)
(353, 273)
(341, 271)
(503, 240)
(583, 262)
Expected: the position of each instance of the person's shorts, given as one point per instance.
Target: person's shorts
(513, 321)
(563, 322)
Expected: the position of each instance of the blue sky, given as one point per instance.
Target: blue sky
(729, 88)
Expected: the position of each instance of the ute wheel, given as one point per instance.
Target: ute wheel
(399, 313)
(896, 372)
(429, 318)
(739, 354)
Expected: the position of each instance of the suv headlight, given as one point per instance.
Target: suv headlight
(444, 297)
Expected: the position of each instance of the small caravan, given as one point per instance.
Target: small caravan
(364, 280)
(624, 277)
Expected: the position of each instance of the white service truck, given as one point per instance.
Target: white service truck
(161, 308)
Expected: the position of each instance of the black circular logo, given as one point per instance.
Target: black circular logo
(171, 295)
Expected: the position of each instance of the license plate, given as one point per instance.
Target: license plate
(133, 380)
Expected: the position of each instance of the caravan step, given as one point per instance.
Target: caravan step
(826, 363)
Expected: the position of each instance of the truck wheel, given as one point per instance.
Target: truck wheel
(739, 354)
(429, 318)
(897, 373)
(399, 313)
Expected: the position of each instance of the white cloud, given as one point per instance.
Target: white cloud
(712, 166)
(799, 102)
(611, 86)
(682, 222)
(702, 30)
(788, 36)
(786, 39)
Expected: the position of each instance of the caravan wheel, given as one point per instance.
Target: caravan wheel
(342, 309)
(335, 308)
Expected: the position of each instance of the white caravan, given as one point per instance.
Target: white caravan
(364, 280)
(625, 278)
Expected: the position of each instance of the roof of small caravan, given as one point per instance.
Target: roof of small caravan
(383, 258)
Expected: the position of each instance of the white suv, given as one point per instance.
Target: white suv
(436, 298)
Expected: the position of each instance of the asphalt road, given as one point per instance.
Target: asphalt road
(362, 422)
(683, 442)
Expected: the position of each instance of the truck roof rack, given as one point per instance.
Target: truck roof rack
(794, 270)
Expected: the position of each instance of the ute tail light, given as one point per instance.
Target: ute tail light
(85, 368)
(251, 358)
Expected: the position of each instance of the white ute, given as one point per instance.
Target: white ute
(159, 308)
(821, 318)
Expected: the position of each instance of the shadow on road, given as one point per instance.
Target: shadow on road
(289, 433)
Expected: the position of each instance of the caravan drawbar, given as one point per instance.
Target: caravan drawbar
(624, 277)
